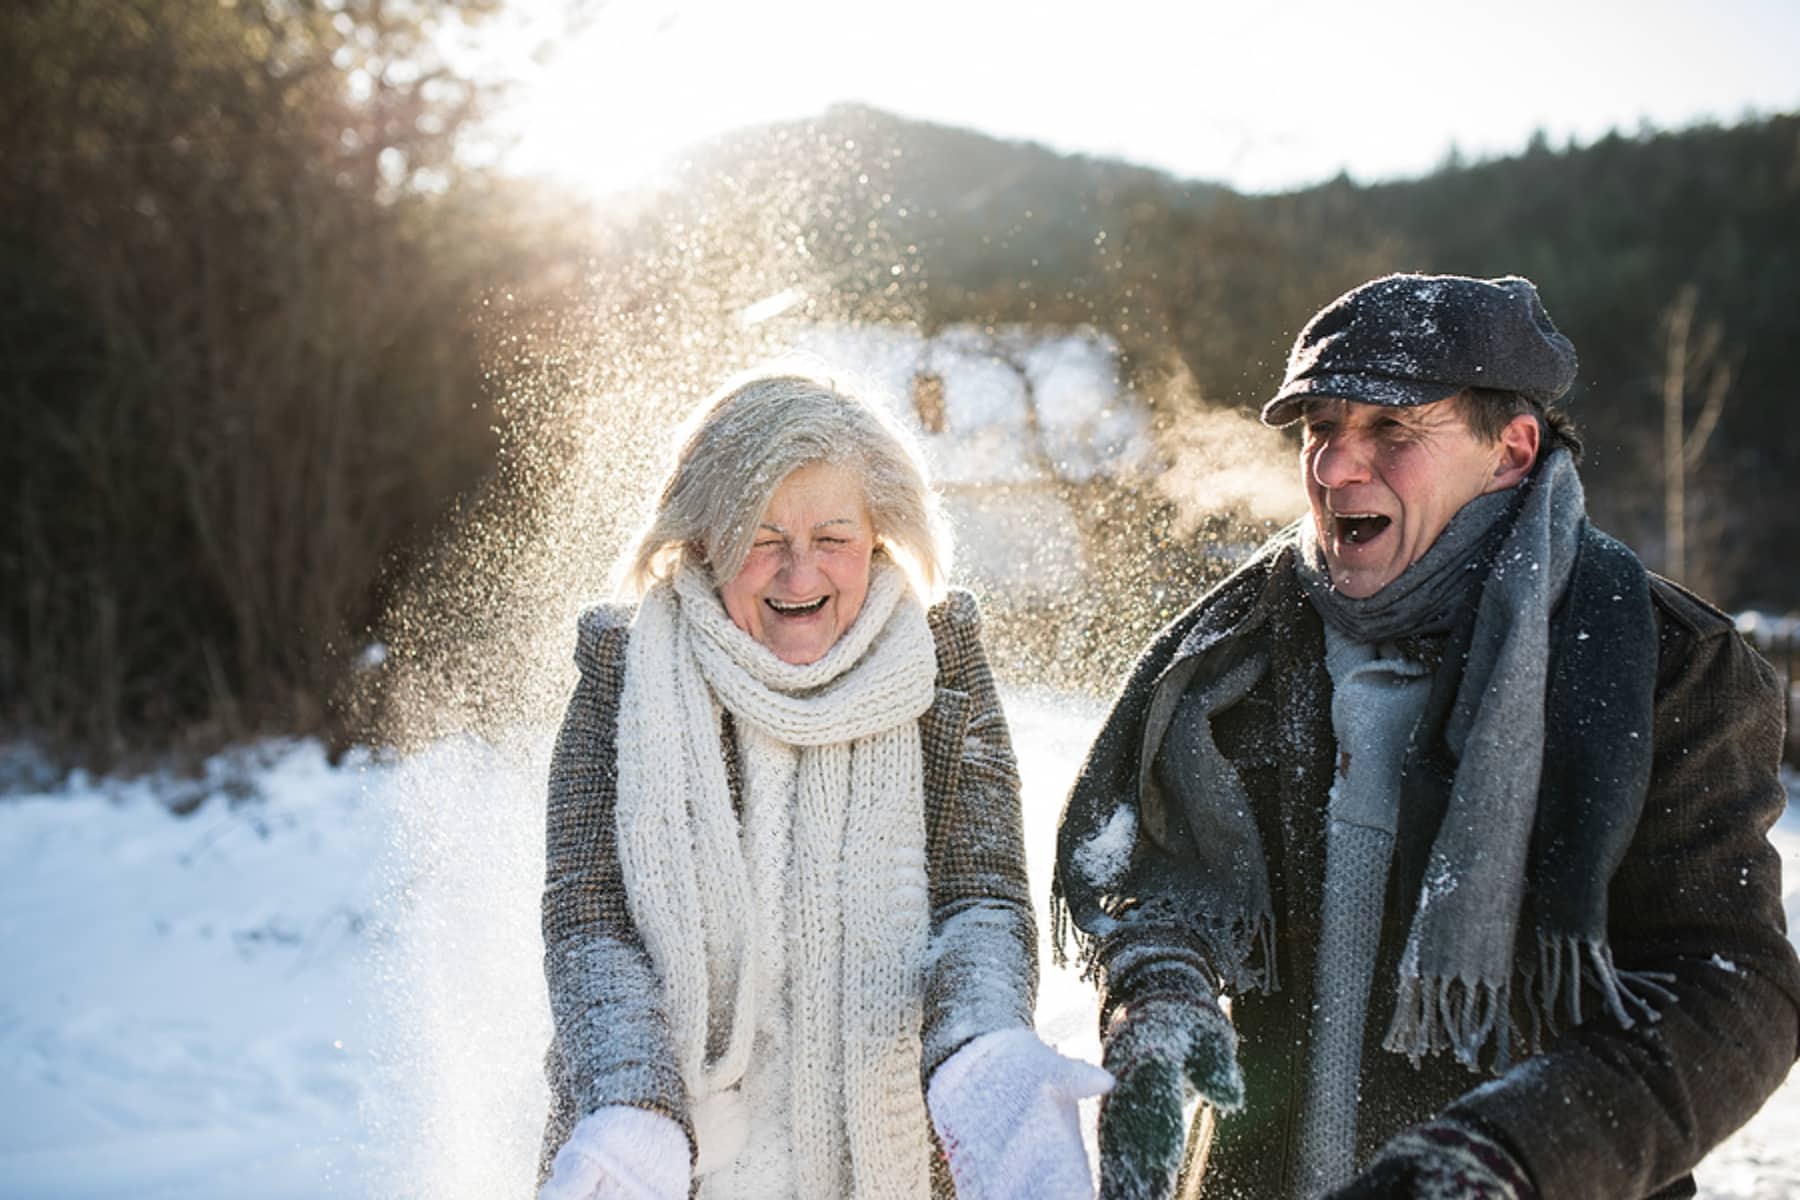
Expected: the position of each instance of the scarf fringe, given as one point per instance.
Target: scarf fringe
(1433, 1014)
(1568, 963)
(1236, 951)
(1066, 935)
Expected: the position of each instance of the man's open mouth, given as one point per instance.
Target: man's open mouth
(1357, 528)
(788, 609)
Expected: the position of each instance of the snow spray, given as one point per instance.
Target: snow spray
(743, 263)
(479, 658)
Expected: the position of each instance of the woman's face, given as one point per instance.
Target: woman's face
(808, 570)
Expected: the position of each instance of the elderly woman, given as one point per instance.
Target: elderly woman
(787, 931)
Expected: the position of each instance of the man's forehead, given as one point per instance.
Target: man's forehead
(1359, 410)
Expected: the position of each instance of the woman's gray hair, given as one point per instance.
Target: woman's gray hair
(749, 436)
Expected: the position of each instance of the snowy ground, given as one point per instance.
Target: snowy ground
(324, 981)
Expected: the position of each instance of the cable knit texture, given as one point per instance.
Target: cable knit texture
(1377, 696)
(831, 862)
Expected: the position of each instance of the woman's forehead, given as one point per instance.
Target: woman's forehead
(816, 493)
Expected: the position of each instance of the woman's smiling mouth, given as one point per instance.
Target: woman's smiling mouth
(786, 608)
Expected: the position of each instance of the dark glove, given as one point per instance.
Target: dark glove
(1441, 1160)
(1162, 1051)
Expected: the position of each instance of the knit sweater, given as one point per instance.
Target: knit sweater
(611, 1042)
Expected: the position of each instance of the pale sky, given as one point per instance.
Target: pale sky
(1261, 97)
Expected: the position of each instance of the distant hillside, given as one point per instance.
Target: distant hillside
(938, 225)
(1613, 233)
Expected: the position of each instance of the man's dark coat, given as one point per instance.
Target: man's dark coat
(1602, 1111)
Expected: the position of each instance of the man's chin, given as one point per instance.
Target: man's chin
(1357, 583)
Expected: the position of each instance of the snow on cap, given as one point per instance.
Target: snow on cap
(1416, 339)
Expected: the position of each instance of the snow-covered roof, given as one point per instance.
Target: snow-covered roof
(1021, 405)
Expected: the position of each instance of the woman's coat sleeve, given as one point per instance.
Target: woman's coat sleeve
(981, 970)
(611, 1042)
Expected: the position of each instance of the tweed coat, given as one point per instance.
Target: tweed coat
(1602, 1111)
(611, 1042)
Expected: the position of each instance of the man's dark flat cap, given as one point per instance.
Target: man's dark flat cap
(1417, 339)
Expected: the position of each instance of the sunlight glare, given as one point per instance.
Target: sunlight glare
(605, 109)
(1258, 98)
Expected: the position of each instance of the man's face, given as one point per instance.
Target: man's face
(1382, 482)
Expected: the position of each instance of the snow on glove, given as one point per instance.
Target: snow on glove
(1441, 1160)
(1004, 1107)
(1162, 1050)
(620, 1153)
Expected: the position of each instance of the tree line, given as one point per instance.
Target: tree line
(265, 332)
(238, 262)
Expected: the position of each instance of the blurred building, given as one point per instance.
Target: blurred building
(1021, 427)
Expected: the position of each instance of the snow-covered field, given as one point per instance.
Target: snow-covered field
(324, 982)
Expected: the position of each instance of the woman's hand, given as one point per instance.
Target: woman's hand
(1005, 1110)
(621, 1153)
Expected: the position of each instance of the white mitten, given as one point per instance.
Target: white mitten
(620, 1153)
(1005, 1110)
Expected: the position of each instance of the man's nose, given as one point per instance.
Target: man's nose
(1339, 461)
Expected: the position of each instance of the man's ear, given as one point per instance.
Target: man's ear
(1518, 451)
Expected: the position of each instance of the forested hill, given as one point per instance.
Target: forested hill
(1618, 234)
(1621, 235)
(272, 342)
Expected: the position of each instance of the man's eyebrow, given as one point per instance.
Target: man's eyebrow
(1428, 415)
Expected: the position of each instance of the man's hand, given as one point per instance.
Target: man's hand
(1441, 1160)
(1162, 1051)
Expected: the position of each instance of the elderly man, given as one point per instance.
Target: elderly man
(1460, 810)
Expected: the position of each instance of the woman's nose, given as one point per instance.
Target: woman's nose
(801, 564)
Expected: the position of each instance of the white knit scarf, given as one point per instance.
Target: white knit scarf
(825, 874)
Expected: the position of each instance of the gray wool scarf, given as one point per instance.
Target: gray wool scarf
(1511, 553)
(1522, 785)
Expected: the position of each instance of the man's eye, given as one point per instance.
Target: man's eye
(769, 544)
(833, 541)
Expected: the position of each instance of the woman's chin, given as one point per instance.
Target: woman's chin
(799, 647)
